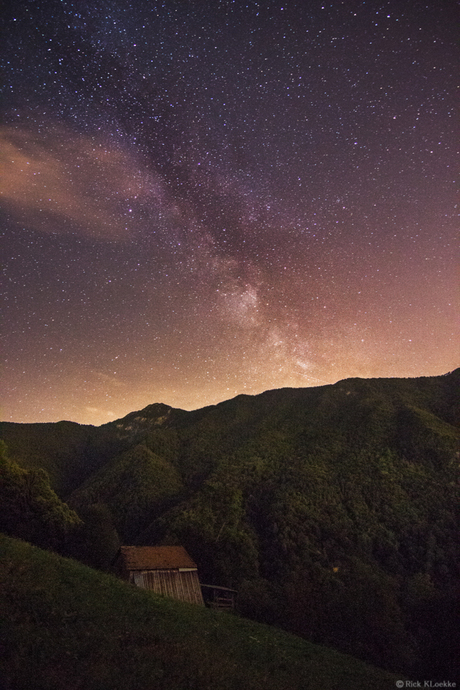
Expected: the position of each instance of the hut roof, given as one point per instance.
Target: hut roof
(155, 557)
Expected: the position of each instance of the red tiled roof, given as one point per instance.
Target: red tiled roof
(155, 557)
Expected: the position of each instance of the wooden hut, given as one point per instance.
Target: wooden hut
(166, 570)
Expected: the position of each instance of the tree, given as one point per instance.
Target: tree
(30, 509)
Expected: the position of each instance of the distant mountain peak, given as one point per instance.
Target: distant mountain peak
(155, 415)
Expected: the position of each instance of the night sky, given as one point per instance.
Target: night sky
(202, 199)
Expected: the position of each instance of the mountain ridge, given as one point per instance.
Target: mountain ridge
(239, 396)
(303, 499)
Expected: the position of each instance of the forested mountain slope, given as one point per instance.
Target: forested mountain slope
(334, 511)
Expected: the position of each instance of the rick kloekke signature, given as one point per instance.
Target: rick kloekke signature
(425, 684)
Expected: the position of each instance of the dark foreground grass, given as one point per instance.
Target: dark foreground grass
(65, 626)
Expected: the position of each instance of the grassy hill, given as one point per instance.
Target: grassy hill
(66, 626)
(334, 511)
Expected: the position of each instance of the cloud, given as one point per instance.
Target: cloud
(108, 380)
(98, 411)
(62, 182)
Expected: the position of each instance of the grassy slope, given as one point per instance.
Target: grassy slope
(67, 626)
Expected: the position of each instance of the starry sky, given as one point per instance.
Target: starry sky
(202, 199)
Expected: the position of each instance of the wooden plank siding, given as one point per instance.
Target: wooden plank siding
(178, 584)
(166, 570)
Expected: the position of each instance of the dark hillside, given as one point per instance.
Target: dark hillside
(30, 509)
(66, 626)
(334, 511)
(68, 452)
(136, 486)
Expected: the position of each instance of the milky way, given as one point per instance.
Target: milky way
(202, 199)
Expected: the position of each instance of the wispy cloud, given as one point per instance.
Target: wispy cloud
(60, 182)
